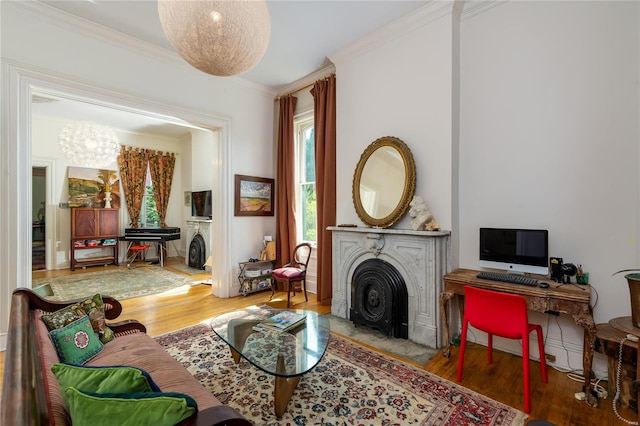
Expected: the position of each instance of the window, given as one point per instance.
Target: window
(149, 216)
(306, 179)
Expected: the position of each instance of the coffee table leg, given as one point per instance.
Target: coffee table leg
(283, 388)
(235, 354)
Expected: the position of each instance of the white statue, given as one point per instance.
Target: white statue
(423, 218)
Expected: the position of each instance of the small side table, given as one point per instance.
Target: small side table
(608, 343)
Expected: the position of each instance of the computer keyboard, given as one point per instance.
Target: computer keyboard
(508, 278)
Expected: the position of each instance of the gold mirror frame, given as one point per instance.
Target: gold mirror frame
(407, 191)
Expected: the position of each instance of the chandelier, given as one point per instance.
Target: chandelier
(89, 144)
(222, 38)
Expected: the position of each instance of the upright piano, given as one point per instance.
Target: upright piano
(155, 235)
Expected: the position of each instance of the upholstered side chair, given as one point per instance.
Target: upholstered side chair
(294, 271)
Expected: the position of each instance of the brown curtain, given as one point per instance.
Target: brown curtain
(324, 116)
(161, 167)
(285, 182)
(132, 163)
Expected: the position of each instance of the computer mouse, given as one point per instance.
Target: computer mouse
(543, 284)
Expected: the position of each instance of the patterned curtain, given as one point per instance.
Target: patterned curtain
(132, 163)
(161, 166)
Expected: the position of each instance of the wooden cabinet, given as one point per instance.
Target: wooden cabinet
(96, 230)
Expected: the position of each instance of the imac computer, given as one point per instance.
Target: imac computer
(517, 251)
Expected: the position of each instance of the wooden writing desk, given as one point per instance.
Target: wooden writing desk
(568, 299)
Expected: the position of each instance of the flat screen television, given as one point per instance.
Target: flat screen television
(515, 250)
(201, 204)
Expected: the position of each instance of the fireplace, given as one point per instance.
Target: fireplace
(199, 246)
(197, 252)
(419, 258)
(379, 298)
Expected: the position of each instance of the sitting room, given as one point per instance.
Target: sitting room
(513, 115)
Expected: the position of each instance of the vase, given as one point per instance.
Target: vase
(634, 291)
(107, 200)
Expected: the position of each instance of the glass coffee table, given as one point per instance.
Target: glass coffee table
(286, 355)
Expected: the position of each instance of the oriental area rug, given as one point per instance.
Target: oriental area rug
(350, 386)
(122, 283)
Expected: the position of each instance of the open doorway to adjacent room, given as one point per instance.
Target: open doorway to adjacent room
(39, 203)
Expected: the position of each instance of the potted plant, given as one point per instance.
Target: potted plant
(633, 279)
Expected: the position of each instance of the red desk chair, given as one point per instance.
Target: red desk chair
(137, 251)
(294, 271)
(505, 315)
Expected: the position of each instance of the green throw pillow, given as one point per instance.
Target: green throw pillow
(76, 343)
(104, 379)
(151, 408)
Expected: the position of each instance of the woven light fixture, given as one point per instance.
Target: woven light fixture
(222, 38)
(89, 144)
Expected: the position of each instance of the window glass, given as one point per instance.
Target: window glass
(149, 216)
(306, 178)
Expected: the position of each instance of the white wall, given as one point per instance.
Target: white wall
(403, 89)
(548, 132)
(549, 139)
(133, 71)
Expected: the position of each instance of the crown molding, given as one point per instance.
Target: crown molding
(61, 19)
(422, 16)
(425, 15)
(473, 8)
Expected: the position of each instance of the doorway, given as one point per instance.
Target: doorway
(38, 225)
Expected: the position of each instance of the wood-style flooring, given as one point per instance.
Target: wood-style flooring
(501, 380)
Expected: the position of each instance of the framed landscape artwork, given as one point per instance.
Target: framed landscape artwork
(253, 196)
(89, 187)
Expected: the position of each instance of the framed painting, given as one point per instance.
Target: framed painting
(93, 187)
(253, 196)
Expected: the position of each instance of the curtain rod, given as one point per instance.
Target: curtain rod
(150, 149)
(304, 87)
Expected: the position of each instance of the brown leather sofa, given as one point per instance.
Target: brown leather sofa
(30, 391)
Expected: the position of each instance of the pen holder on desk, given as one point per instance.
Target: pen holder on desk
(583, 278)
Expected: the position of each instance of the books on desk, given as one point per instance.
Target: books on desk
(282, 321)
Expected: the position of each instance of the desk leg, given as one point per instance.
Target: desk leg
(586, 321)
(444, 314)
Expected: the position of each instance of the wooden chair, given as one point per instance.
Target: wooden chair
(294, 271)
(505, 315)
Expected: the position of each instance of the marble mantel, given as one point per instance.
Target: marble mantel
(421, 257)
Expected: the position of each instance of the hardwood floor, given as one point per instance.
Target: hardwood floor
(501, 380)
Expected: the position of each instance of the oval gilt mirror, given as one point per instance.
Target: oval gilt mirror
(384, 182)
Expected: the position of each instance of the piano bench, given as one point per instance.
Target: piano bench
(138, 251)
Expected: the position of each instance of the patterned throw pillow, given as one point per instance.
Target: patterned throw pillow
(76, 343)
(93, 307)
(63, 317)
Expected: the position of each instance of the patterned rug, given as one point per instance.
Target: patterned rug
(121, 283)
(350, 386)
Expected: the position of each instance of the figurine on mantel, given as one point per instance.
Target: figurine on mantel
(422, 217)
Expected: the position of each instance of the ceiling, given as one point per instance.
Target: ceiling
(303, 34)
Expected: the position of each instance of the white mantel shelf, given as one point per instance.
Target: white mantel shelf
(421, 257)
(389, 231)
